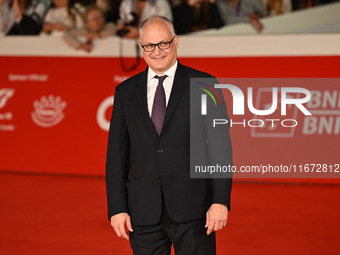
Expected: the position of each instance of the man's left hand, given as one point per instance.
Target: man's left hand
(217, 217)
(133, 34)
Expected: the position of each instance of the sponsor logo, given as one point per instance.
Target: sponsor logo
(102, 121)
(6, 117)
(5, 95)
(48, 112)
(27, 77)
(325, 107)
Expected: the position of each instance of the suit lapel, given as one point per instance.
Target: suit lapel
(141, 94)
(177, 90)
(178, 87)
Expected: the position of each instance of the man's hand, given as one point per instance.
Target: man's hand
(17, 9)
(256, 24)
(90, 36)
(133, 34)
(217, 217)
(59, 26)
(47, 27)
(87, 47)
(118, 223)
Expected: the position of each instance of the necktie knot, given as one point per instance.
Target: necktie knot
(161, 78)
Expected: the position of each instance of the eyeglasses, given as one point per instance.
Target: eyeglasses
(162, 46)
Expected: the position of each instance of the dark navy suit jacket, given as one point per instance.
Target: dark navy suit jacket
(141, 167)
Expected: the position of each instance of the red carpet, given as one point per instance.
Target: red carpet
(67, 215)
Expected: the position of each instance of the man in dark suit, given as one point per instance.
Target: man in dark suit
(149, 189)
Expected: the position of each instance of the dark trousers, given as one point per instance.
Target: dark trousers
(188, 238)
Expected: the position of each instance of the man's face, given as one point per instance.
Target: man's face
(94, 21)
(159, 60)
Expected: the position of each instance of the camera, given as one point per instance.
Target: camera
(132, 21)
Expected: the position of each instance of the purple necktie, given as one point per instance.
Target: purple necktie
(159, 107)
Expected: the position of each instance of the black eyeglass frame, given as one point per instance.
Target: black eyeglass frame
(157, 44)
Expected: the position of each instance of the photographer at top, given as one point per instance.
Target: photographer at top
(64, 15)
(95, 28)
(196, 15)
(22, 17)
(133, 12)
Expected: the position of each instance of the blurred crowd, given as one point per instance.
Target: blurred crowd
(78, 22)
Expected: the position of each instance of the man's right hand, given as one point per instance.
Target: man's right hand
(256, 24)
(86, 47)
(118, 222)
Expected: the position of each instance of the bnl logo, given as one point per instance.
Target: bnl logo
(238, 99)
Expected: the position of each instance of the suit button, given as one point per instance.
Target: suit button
(160, 150)
(157, 177)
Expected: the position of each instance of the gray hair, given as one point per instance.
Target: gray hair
(155, 19)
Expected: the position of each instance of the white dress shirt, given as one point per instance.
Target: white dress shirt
(153, 83)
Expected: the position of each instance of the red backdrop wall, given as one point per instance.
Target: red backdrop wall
(53, 113)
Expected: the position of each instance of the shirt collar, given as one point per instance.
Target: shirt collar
(170, 72)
